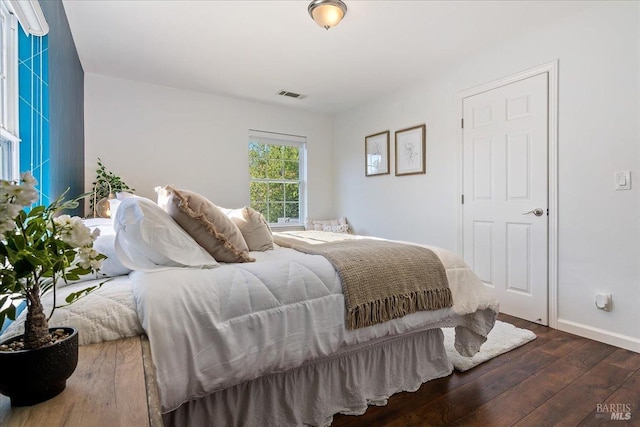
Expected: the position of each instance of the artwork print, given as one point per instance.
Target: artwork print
(410, 150)
(377, 154)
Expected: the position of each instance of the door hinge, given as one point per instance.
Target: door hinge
(462, 123)
(462, 197)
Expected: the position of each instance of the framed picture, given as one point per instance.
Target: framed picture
(411, 150)
(376, 154)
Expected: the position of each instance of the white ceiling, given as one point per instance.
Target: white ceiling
(253, 49)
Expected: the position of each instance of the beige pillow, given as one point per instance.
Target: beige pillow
(210, 227)
(253, 226)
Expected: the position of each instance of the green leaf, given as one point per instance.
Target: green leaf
(11, 312)
(74, 296)
(36, 212)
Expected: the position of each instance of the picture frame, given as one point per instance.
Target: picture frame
(411, 150)
(376, 154)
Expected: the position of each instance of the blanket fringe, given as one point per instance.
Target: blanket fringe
(396, 306)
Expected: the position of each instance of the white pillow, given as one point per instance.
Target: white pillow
(318, 224)
(105, 244)
(111, 266)
(147, 238)
(105, 225)
(121, 195)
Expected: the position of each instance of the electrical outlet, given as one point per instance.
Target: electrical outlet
(603, 302)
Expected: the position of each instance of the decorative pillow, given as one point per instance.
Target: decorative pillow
(147, 238)
(207, 224)
(318, 225)
(336, 228)
(253, 226)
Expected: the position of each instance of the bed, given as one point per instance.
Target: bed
(263, 342)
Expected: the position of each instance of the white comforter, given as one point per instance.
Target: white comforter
(210, 329)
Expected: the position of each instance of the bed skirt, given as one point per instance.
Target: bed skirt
(312, 393)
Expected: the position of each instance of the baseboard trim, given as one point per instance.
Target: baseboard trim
(607, 337)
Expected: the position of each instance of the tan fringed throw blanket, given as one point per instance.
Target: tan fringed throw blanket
(381, 280)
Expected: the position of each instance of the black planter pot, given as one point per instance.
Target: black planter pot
(33, 376)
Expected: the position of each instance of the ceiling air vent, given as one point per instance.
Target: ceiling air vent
(290, 94)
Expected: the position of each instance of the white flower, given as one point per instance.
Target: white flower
(14, 197)
(87, 258)
(73, 231)
(28, 179)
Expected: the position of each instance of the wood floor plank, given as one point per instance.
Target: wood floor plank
(581, 396)
(625, 359)
(463, 400)
(557, 379)
(517, 402)
(107, 389)
(402, 402)
(627, 394)
(408, 420)
(460, 378)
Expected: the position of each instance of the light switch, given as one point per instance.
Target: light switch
(623, 180)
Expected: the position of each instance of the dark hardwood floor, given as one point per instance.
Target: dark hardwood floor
(558, 379)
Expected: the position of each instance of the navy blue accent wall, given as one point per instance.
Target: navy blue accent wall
(66, 105)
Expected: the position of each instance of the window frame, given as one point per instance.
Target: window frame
(9, 133)
(287, 140)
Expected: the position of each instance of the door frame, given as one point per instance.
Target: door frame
(551, 68)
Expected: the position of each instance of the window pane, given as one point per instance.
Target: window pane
(290, 153)
(291, 192)
(275, 169)
(291, 170)
(292, 210)
(259, 192)
(275, 151)
(276, 210)
(258, 168)
(257, 150)
(276, 192)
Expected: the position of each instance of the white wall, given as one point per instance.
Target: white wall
(154, 135)
(599, 228)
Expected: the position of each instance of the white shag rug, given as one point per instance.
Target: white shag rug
(503, 337)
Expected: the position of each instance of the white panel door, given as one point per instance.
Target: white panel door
(505, 140)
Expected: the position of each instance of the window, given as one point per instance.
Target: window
(276, 172)
(9, 141)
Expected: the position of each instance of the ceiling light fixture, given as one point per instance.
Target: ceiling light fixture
(327, 13)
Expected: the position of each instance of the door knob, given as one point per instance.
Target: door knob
(536, 212)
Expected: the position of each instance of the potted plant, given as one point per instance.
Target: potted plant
(39, 249)
(106, 183)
